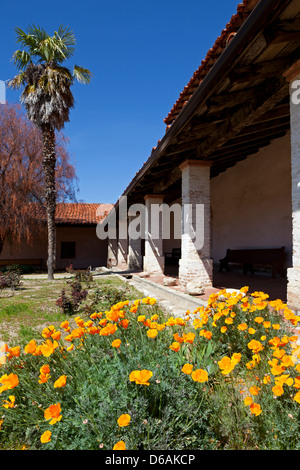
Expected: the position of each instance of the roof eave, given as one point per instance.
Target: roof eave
(218, 71)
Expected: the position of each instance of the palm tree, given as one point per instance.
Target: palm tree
(47, 98)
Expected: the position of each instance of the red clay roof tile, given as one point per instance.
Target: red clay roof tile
(78, 213)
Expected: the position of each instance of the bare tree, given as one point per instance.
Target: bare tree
(21, 175)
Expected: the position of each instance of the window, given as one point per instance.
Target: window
(68, 250)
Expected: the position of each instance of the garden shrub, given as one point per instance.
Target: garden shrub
(10, 278)
(226, 376)
(84, 276)
(69, 301)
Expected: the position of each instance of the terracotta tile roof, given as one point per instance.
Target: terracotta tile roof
(77, 213)
(243, 11)
(81, 213)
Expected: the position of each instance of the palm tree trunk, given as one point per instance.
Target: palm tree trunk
(49, 162)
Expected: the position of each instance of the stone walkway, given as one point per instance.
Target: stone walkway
(274, 287)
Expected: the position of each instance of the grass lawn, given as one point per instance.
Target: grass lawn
(27, 310)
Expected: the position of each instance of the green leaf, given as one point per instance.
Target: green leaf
(81, 74)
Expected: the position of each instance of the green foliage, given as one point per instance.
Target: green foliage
(69, 301)
(102, 358)
(10, 278)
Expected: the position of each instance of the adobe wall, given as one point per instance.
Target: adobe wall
(251, 202)
(90, 250)
(36, 249)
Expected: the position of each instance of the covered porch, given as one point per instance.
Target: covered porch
(231, 148)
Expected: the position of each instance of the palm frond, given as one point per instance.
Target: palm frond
(26, 40)
(21, 59)
(38, 33)
(82, 75)
(17, 81)
(67, 38)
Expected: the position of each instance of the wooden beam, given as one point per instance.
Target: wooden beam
(278, 124)
(163, 184)
(253, 138)
(262, 70)
(249, 150)
(233, 98)
(271, 93)
(283, 31)
(274, 113)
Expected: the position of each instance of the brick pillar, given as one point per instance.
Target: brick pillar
(154, 262)
(135, 257)
(195, 263)
(293, 289)
(123, 246)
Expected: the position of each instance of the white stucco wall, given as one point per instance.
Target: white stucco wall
(251, 202)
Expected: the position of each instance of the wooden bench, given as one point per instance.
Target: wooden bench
(273, 257)
(174, 257)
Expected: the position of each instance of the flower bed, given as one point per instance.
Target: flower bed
(226, 376)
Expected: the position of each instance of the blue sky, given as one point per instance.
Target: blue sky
(142, 54)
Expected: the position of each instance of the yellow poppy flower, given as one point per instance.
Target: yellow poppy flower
(46, 437)
(200, 375)
(119, 446)
(187, 369)
(124, 420)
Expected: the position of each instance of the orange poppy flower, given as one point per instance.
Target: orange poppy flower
(113, 315)
(10, 403)
(255, 409)
(152, 333)
(60, 382)
(48, 331)
(248, 401)
(140, 376)
(110, 329)
(119, 446)
(124, 323)
(30, 348)
(254, 390)
(187, 369)
(226, 365)
(277, 390)
(46, 437)
(65, 325)
(188, 338)
(45, 369)
(124, 420)
(175, 346)
(297, 397)
(13, 352)
(53, 413)
(200, 375)
(178, 338)
(9, 381)
(255, 346)
(48, 347)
